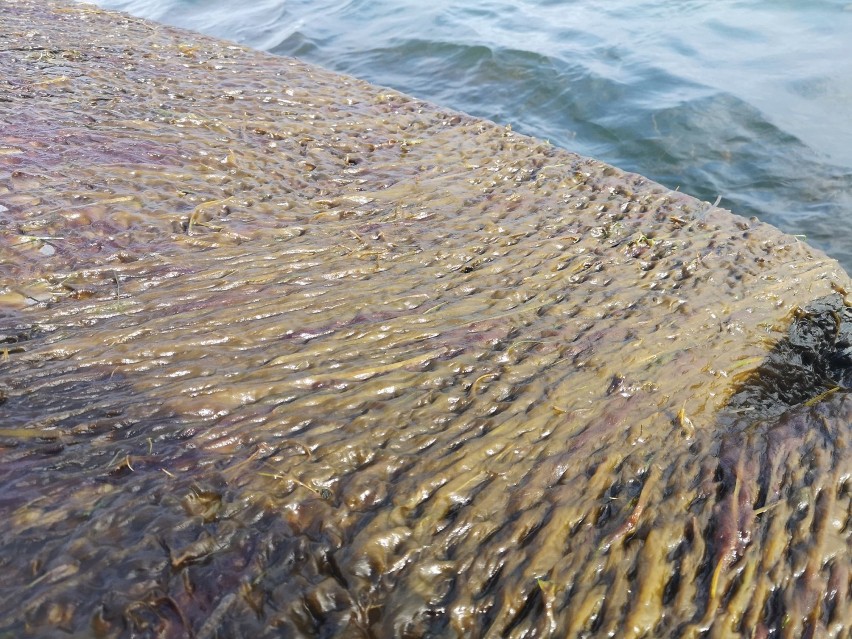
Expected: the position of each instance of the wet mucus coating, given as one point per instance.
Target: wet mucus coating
(286, 354)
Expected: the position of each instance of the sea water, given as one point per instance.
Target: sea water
(748, 100)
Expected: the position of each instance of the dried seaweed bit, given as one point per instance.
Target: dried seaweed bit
(813, 401)
(475, 386)
(202, 502)
(196, 551)
(633, 521)
(294, 444)
(63, 571)
(768, 507)
(323, 493)
(685, 423)
(745, 362)
(517, 343)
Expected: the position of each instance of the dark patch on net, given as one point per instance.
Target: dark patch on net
(812, 362)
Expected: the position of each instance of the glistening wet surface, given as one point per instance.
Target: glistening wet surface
(284, 353)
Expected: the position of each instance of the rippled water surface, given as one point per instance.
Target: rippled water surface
(748, 100)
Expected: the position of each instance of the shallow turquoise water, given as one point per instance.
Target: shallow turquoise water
(748, 100)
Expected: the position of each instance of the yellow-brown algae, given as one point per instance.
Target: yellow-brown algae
(307, 357)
